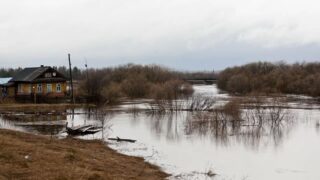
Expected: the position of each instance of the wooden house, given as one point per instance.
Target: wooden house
(40, 83)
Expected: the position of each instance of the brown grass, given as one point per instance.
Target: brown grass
(27, 156)
(39, 107)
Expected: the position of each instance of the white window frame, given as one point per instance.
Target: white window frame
(39, 88)
(30, 89)
(49, 88)
(58, 87)
(20, 89)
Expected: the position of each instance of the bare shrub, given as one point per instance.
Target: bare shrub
(186, 89)
(112, 93)
(203, 123)
(218, 121)
(233, 109)
(200, 103)
(135, 86)
(169, 90)
(238, 83)
(249, 125)
(272, 112)
(170, 96)
(92, 87)
(194, 103)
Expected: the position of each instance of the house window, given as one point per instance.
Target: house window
(49, 88)
(39, 88)
(58, 87)
(29, 89)
(20, 90)
(47, 75)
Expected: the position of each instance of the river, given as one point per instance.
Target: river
(239, 151)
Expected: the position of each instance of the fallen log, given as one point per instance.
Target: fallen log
(82, 130)
(125, 140)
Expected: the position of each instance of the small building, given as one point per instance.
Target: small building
(6, 88)
(39, 84)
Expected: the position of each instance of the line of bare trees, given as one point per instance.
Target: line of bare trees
(133, 81)
(266, 77)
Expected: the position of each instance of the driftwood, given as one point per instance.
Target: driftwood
(125, 140)
(82, 130)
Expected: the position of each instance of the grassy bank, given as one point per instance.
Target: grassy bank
(39, 107)
(27, 156)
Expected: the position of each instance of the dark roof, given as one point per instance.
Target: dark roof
(29, 74)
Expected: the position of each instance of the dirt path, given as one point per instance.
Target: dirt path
(27, 156)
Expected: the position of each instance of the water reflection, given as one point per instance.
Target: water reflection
(39, 121)
(255, 128)
(8, 124)
(165, 123)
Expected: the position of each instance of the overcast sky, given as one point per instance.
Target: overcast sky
(182, 34)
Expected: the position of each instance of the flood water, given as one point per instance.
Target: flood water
(186, 146)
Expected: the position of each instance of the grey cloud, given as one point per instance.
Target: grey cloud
(184, 34)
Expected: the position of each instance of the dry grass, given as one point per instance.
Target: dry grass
(26, 156)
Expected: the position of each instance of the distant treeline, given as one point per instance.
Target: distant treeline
(130, 80)
(133, 81)
(9, 72)
(81, 74)
(266, 77)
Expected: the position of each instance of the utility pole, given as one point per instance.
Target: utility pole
(86, 65)
(34, 94)
(71, 81)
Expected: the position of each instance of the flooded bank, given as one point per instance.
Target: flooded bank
(191, 144)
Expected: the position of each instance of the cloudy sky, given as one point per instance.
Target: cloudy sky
(182, 34)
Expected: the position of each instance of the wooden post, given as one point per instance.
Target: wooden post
(71, 81)
(34, 94)
(86, 65)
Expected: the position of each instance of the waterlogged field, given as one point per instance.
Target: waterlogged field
(276, 139)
